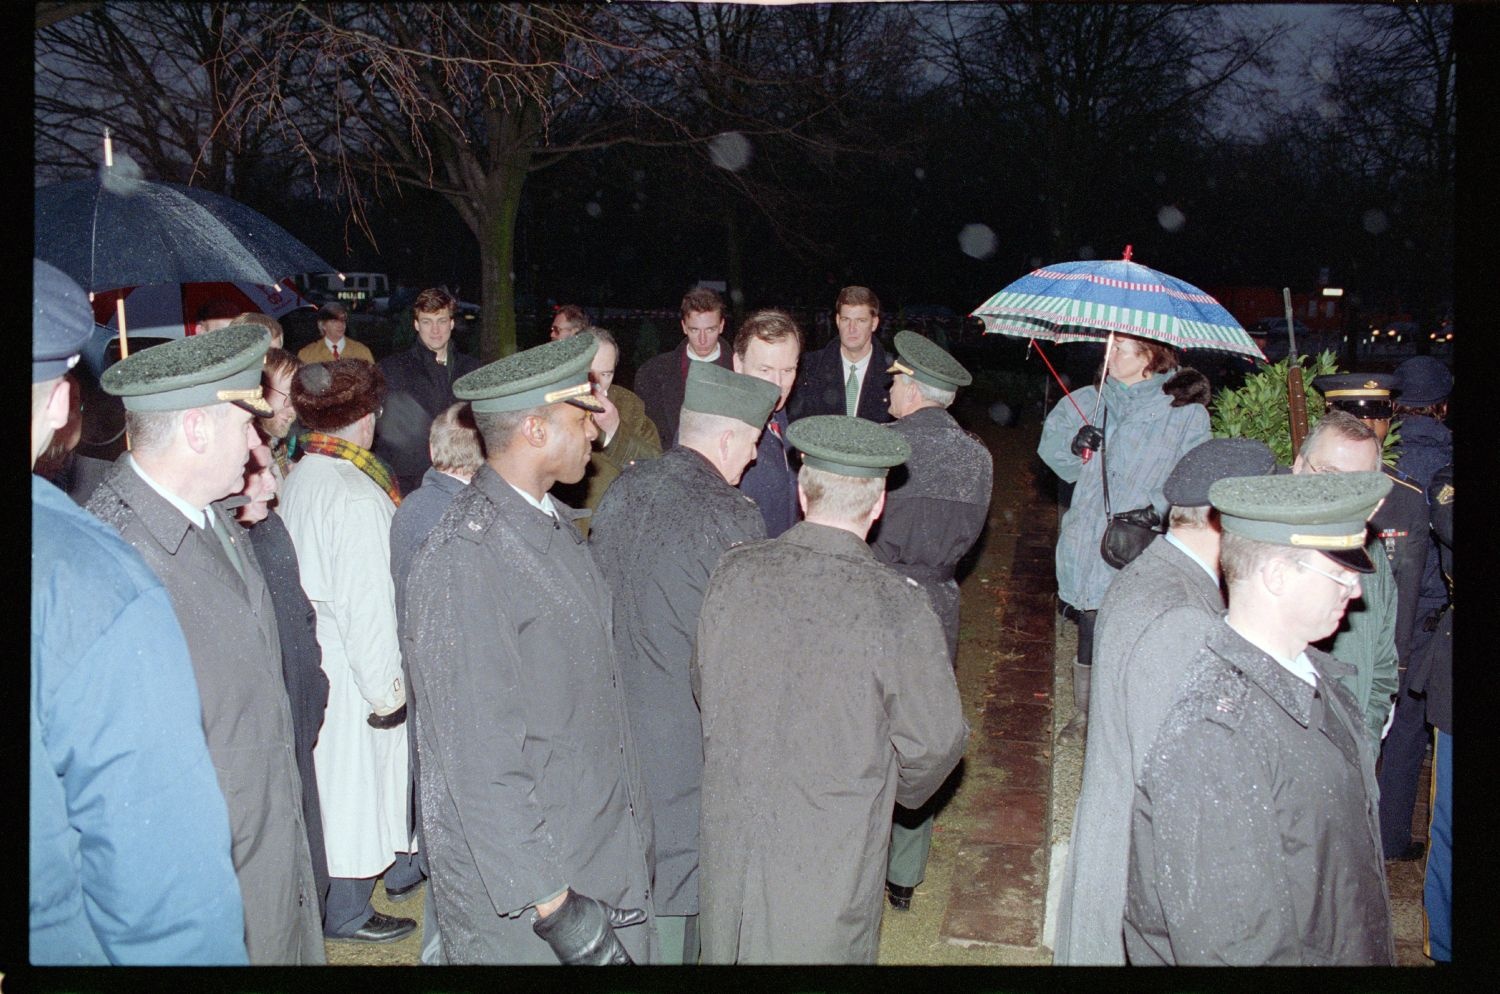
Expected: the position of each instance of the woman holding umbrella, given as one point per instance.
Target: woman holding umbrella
(1148, 416)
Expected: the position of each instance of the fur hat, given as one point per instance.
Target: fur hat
(333, 395)
(1188, 386)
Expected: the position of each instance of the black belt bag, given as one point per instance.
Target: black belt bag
(1126, 534)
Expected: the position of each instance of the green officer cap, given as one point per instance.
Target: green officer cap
(1322, 511)
(925, 360)
(712, 389)
(846, 445)
(550, 373)
(216, 367)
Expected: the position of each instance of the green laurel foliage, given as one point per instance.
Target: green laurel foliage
(1258, 409)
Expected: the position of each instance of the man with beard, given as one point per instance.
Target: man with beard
(531, 788)
(657, 536)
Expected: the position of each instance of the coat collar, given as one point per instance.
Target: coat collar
(694, 463)
(828, 540)
(537, 528)
(928, 417)
(442, 482)
(166, 525)
(1301, 702)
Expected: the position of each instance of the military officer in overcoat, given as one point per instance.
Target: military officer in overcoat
(1150, 625)
(827, 697)
(531, 790)
(1254, 836)
(657, 536)
(935, 507)
(189, 406)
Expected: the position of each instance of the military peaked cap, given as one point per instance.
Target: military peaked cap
(551, 373)
(847, 445)
(216, 367)
(1322, 511)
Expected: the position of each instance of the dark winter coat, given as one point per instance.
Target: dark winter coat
(827, 698)
(418, 389)
(1150, 626)
(230, 625)
(530, 780)
(301, 669)
(657, 536)
(822, 374)
(1401, 524)
(771, 480)
(661, 381)
(1254, 833)
(1432, 670)
(935, 507)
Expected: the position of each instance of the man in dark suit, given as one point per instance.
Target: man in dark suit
(659, 382)
(419, 385)
(848, 376)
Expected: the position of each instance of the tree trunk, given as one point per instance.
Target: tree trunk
(497, 254)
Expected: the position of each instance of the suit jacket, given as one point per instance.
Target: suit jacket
(418, 389)
(232, 637)
(821, 376)
(660, 381)
(1152, 620)
(348, 349)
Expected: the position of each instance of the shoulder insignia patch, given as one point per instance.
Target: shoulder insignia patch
(1445, 494)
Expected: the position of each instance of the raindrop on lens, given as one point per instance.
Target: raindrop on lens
(737, 296)
(1375, 221)
(919, 173)
(592, 209)
(1170, 218)
(977, 241)
(730, 150)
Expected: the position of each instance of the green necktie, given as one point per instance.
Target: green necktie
(228, 546)
(851, 392)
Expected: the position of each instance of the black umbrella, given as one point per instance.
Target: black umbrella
(121, 231)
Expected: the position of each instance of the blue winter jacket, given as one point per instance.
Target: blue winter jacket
(129, 831)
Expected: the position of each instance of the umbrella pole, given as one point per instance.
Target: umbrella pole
(1066, 393)
(120, 321)
(1109, 346)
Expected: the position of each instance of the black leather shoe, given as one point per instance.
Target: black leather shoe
(900, 897)
(1413, 852)
(380, 928)
(400, 894)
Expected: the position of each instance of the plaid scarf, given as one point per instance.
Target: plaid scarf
(341, 448)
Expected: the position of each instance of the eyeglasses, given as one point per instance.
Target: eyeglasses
(1350, 585)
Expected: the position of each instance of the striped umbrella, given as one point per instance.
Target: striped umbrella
(1088, 301)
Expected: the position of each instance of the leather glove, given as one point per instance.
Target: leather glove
(377, 720)
(581, 931)
(1088, 438)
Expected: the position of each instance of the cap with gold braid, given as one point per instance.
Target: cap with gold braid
(218, 367)
(551, 373)
(1322, 511)
(1364, 395)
